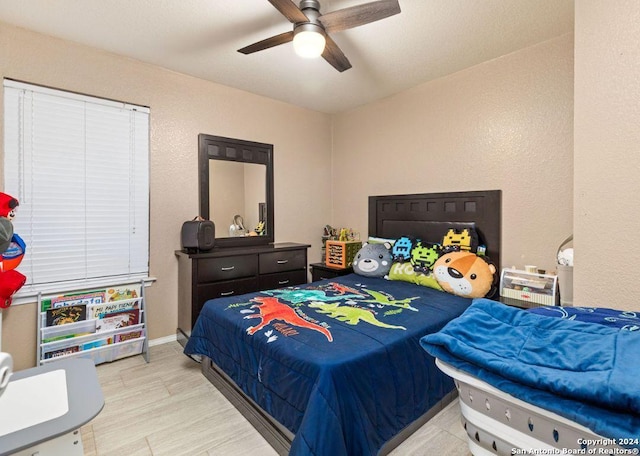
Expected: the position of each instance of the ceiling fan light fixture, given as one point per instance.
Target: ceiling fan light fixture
(312, 31)
(308, 42)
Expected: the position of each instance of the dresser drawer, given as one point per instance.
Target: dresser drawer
(288, 260)
(226, 288)
(226, 268)
(282, 279)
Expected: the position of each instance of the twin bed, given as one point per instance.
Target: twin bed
(337, 367)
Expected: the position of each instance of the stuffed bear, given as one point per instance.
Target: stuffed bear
(465, 274)
(373, 260)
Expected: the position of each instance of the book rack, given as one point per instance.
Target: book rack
(102, 324)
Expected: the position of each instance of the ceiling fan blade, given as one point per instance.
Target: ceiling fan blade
(268, 43)
(355, 16)
(335, 56)
(289, 10)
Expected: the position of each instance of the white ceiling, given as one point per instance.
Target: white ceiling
(427, 40)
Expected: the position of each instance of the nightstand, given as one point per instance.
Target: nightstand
(320, 271)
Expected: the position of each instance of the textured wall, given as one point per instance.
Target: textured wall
(181, 107)
(607, 153)
(504, 124)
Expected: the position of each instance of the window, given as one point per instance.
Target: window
(80, 168)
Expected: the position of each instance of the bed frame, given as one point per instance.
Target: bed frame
(427, 216)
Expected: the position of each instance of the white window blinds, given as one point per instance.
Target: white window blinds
(80, 168)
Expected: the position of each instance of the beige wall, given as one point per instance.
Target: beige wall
(504, 124)
(181, 108)
(607, 153)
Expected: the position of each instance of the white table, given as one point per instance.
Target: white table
(42, 409)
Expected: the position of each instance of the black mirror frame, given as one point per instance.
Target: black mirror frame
(238, 150)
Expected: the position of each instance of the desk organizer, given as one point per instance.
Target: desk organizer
(340, 254)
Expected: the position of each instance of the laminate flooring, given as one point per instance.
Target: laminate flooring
(167, 407)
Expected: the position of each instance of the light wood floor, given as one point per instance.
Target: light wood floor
(167, 407)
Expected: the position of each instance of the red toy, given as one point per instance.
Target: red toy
(13, 254)
(10, 282)
(10, 279)
(8, 206)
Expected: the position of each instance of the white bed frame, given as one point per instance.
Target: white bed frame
(498, 423)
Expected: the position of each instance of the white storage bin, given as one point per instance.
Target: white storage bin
(529, 287)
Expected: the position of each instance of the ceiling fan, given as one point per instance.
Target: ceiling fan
(311, 29)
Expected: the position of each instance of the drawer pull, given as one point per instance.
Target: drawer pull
(227, 293)
(228, 268)
(282, 261)
(283, 282)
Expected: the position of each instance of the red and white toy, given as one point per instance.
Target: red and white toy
(12, 252)
(8, 206)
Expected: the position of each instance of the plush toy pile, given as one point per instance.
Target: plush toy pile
(457, 265)
(12, 249)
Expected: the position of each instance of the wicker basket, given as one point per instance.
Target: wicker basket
(340, 254)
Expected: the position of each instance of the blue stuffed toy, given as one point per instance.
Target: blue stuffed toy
(373, 260)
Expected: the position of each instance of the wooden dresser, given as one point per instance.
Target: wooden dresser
(234, 271)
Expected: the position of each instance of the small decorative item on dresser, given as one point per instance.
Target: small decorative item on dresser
(340, 254)
(328, 234)
(198, 234)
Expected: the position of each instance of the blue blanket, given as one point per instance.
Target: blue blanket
(338, 362)
(586, 372)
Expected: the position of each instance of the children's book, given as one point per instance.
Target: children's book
(118, 320)
(127, 336)
(97, 343)
(101, 310)
(66, 314)
(61, 352)
(121, 293)
(72, 299)
(64, 336)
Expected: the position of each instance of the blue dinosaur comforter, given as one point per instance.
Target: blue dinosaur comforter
(586, 372)
(338, 362)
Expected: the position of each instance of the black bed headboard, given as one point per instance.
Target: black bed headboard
(429, 215)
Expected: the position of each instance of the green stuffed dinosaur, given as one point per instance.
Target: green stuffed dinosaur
(350, 315)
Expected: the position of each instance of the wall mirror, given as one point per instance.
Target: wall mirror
(236, 189)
